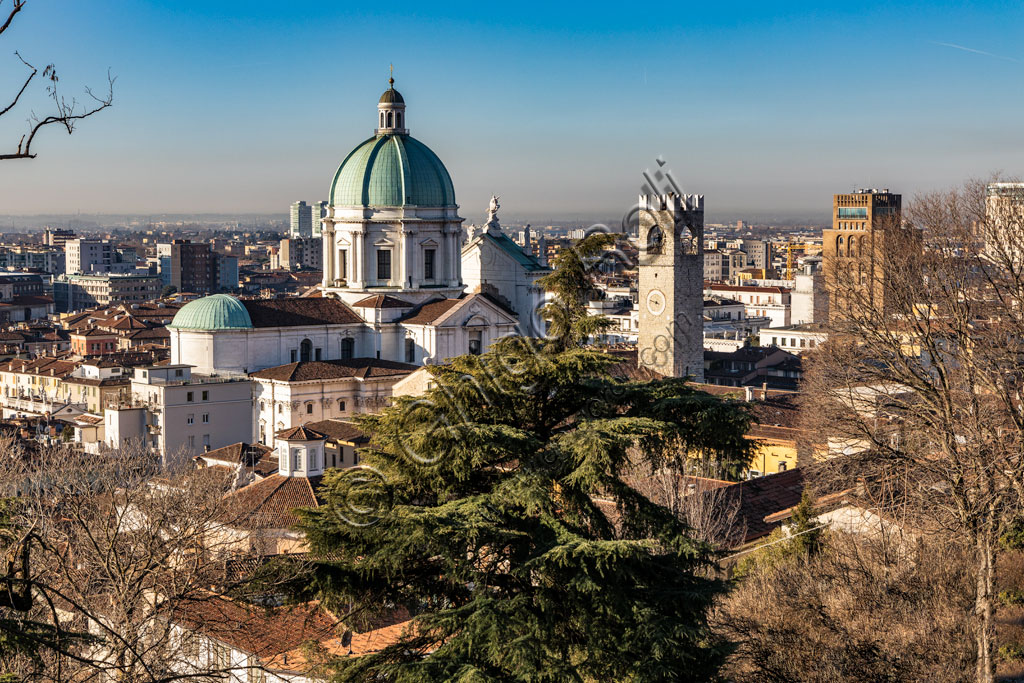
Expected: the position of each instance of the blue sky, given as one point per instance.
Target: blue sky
(764, 108)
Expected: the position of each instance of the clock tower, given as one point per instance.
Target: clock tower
(671, 264)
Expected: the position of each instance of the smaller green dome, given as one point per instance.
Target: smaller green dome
(216, 312)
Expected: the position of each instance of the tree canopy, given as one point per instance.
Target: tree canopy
(502, 521)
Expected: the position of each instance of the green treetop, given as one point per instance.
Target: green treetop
(501, 519)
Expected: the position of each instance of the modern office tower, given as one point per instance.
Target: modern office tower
(301, 220)
(865, 224)
(192, 267)
(671, 288)
(318, 212)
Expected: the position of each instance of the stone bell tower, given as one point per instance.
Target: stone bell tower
(671, 264)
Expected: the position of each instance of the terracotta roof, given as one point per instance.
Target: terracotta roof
(128, 323)
(296, 312)
(150, 333)
(257, 457)
(759, 431)
(430, 311)
(93, 332)
(300, 433)
(260, 631)
(340, 430)
(361, 368)
(382, 301)
(763, 496)
(269, 504)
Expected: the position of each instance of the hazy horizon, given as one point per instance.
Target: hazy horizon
(235, 107)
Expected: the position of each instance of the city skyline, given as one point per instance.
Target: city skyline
(244, 109)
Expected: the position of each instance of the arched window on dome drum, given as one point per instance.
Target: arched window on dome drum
(382, 119)
(398, 117)
(348, 348)
(391, 119)
(305, 351)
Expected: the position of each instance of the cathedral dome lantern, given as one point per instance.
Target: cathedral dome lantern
(391, 112)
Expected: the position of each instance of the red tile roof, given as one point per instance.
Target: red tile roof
(340, 430)
(300, 433)
(382, 301)
(270, 503)
(361, 368)
(430, 311)
(296, 312)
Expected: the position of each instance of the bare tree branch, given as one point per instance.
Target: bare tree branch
(18, 4)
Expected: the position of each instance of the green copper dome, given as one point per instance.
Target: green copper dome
(216, 312)
(392, 170)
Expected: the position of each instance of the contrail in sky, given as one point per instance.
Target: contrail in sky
(977, 52)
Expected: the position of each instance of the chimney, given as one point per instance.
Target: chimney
(764, 391)
(748, 394)
(206, 448)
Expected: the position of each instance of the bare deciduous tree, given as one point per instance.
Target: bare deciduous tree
(920, 380)
(854, 612)
(116, 547)
(66, 113)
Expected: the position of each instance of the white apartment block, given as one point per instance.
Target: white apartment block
(178, 414)
(759, 302)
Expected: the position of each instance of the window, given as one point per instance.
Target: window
(296, 459)
(177, 373)
(294, 355)
(190, 397)
(309, 409)
(410, 350)
(428, 263)
(206, 395)
(383, 264)
(191, 419)
(280, 409)
(191, 441)
(314, 460)
(206, 440)
(341, 406)
(316, 355)
(305, 350)
(206, 418)
(348, 348)
(782, 466)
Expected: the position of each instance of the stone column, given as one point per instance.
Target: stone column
(328, 250)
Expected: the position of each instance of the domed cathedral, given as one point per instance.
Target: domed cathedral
(392, 288)
(392, 225)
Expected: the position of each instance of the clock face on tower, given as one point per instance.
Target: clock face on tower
(655, 302)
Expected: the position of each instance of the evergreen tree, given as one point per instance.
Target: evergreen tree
(510, 533)
(571, 286)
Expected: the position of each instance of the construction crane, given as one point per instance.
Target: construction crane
(790, 246)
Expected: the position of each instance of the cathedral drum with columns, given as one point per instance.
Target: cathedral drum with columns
(392, 224)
